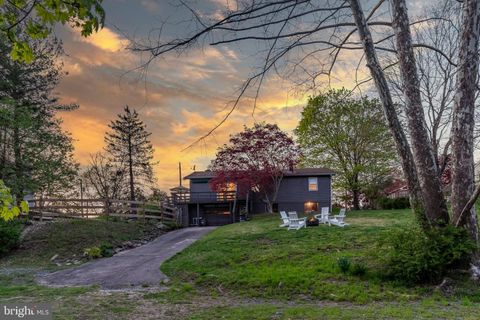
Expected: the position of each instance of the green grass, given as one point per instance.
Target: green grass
(250, 270)
(258, 259)
(72, 237)
(427, 309)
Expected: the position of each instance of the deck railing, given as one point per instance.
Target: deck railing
(203, 197)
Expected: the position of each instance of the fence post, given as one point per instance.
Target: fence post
(107, 207)
(41, 207)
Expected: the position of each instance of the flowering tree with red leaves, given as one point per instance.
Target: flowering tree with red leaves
(255, 159)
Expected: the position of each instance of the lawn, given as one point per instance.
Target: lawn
(250, 270)
(260, 261)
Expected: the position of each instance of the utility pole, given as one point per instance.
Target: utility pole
(180, 174)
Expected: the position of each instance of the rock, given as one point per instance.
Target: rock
(165, 281)
(475, 271)
(54, 257)
(58, 264)
(76, 262)
(68, 263)
(447, 287)
(161, 226)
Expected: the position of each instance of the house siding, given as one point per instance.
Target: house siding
(292, 195)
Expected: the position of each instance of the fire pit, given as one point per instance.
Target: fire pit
(312, 222)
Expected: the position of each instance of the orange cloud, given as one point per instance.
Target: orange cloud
(105, 39)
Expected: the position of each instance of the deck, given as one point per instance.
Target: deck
(204, 197)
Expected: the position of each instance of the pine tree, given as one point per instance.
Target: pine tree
(128, 143)
(36, 154)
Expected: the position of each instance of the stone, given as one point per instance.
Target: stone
(161, 226)
(447, 287)
(54, 257)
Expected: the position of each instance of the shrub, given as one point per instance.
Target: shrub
(106, 250)
(416, 256)
(10, 232)
(93, 252)
(401, 203)
(394, 203)
(344, 264)
(358, 269)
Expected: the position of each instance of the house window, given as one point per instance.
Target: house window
(310, 206)
(313, 184)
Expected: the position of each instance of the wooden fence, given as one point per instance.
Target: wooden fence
(92, 208)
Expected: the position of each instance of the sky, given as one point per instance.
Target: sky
(180, 98)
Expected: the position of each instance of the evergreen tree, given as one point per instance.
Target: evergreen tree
(128, 143)
(36, 154)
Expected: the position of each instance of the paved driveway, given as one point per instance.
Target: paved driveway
(135, 267)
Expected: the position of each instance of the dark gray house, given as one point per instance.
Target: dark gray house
(301, 190)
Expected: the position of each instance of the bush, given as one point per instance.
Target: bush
(415, 256)
(394, 203)
(93, 252)
(344, 264)
(10, 232)
(106, 250)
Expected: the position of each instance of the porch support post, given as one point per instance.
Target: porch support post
(198, 213)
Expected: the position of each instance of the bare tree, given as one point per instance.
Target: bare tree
(437, 77)
(463, 177)
(107, 179)
(301, 35)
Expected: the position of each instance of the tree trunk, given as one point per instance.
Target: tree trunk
(3, 157)
(430, 183)
(17, 187)
(401, 142)
(463, 175)
(130, 169)
(356, 199)
(268, 203)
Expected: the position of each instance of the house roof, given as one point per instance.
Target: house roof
(298, 172)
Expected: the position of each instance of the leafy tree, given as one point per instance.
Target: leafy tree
(8, 204)
(36, 154)
(348, 135)
(25, 20)
(127, 143)
(255, 158)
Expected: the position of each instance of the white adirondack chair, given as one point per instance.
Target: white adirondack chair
(295, 222)
(338, 219)
(324, 217)
(285, 219)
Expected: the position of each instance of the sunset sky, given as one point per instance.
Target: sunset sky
(180, 98)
